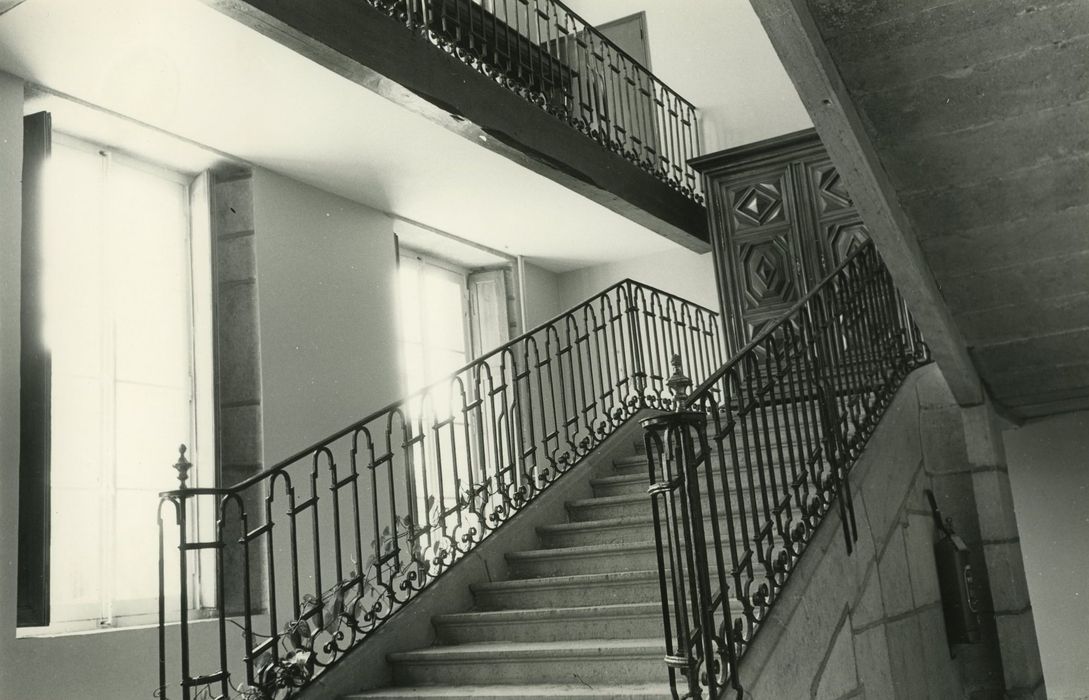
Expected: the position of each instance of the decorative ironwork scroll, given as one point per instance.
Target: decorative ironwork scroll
(746, 468)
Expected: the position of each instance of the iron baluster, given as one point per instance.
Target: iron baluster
(789, 415)
(449, 464)
(551, 57)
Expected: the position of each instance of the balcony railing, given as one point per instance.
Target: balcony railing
(743, 473)
(314, 554)
(546, 53)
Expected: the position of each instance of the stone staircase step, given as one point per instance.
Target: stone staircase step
(580, 617)
(634, 505)
(588, 559)
(619, 621)
(568, 661)
(612, 531)
(609, 507)
(789, 445)
(634, 482)
(578, 691)
(559, 591)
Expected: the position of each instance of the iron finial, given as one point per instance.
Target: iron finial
(679, 383)
(182, 465)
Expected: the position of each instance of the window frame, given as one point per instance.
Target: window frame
(199, 285)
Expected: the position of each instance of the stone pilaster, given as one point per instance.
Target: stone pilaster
(238, 370)
(1001, 546)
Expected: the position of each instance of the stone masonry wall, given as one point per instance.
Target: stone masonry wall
(238, 364)
(870, 625)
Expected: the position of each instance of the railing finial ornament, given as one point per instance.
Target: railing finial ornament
(679, 383)
(182, 466)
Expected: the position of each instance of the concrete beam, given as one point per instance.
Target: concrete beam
(798, 41)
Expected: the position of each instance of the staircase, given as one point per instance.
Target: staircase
(653, 586)
(579, 617)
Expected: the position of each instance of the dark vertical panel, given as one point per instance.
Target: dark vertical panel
(33, 587)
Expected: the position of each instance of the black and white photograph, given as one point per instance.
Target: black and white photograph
(532, 349)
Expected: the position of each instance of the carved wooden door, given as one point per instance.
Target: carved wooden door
(838, 227)
(763, 254)
(781, 219)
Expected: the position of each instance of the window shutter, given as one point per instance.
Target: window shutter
(488, 310)
(34, 392)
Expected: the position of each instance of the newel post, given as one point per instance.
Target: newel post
(182, 467)
(178, 499)
(671, 440)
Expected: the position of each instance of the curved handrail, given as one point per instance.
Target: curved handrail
(745, 469)
(288, 461)
(424, 479)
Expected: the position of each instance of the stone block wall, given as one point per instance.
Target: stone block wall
(238, 371)
(239, 439)
(871, 624)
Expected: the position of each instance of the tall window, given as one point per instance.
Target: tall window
(448, 316)
(434, 318)
(434, 343)
(118, 325)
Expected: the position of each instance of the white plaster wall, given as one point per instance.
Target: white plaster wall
(1049, 472)
(684, 273)
(326, 271)
(716, 54)
(542, 295)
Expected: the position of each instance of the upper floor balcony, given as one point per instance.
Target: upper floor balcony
(529, 79)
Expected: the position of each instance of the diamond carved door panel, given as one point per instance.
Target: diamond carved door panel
(757, 205)
(844, 238)
(768, 277)
(831, 194)
(781, 219)
(839, 228)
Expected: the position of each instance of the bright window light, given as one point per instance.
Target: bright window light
(118, 324)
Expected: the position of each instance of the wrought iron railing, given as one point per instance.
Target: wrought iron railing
(312, 555)
(546, 53)
(744, 471)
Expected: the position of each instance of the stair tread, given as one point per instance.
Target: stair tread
(619, 499)
(569, 580)
(637, 477)
(609, 500)
(565, 648)
(588, 550)
(600, 623)
(603, 523)
(531, 614)
(606, 523)
(518, 690)
(640, 458)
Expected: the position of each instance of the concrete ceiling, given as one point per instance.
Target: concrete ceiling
(979, 113)
(185, 69)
